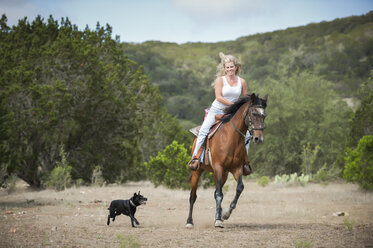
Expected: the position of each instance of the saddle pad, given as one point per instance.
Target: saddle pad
(213, 129)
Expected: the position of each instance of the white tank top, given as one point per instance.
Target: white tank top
(228, 92)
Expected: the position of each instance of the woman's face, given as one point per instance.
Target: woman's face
(230, 69)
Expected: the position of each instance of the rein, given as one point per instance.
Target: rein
(249, 123)
(237, 128)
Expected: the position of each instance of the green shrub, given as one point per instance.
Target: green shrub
(304, 179)
(60, 177)
(359, 163)
(263, 181)
(309, 156)
(322, 174)
(97, 178)
(349, 224)
(282, 179)
(79, 182)
(293, 179)
(169, 167)
(207, 180)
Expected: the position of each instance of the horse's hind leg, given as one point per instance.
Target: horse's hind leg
(193, 195)
(239, 189)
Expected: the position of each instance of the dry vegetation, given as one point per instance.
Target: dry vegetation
(272, 216)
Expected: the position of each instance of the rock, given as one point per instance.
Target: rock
(341, 213)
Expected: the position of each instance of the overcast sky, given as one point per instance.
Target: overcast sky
(186, 20)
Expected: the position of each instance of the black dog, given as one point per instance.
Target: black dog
(126, 207)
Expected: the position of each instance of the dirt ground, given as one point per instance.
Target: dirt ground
(272, 216)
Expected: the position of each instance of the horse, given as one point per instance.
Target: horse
(227, 149)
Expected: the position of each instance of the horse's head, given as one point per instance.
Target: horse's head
(255, 117)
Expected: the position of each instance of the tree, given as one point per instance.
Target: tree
(359, 163)
(303, 112)
(169, 167)
(362, 121)
(76, 90)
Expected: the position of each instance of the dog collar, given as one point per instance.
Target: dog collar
(132, 203)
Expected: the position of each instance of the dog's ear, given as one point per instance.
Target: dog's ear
(134, 194)
(139, 192)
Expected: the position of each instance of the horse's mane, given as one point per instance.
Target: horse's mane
(232, 109)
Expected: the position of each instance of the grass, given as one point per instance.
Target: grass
(45, 241)
(263, 181)
(303, 244)
(348, 223)
(128, 242)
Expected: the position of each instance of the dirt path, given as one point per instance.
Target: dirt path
(274, 216)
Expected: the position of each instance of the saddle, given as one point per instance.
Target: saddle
(205, 147)
(213, 128)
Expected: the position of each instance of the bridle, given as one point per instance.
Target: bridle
(248, 122)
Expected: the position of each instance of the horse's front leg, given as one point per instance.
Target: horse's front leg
(218, 199)
(220, 180)
(193, 196)
(239, 189)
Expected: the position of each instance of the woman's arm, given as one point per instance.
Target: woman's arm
(244, 87)
(218, 92)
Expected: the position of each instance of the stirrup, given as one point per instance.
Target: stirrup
(194, 164)
(247, 170)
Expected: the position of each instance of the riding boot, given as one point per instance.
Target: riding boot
(194, 164)
(247, 170)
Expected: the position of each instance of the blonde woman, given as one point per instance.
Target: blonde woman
(229, 86)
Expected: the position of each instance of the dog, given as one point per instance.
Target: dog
(126, 207)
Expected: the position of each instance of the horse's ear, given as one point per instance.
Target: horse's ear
(265, 98)
(134, 194)
(139, 192)
(253, 97)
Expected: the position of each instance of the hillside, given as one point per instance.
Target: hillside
(339, 51)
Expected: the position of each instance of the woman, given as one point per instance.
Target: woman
(228, 88)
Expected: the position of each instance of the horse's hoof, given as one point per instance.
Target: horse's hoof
(226, 214)
(219, 223)
(189, 225)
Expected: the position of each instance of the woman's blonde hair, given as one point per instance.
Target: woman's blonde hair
(220, 70)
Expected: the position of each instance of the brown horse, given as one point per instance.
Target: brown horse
(227, 149)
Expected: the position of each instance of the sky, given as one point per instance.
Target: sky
(182, 21)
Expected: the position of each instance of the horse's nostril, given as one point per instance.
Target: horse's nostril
(256, 139)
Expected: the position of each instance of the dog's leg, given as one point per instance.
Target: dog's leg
(137, 223)
(133, 219)
(108, 219)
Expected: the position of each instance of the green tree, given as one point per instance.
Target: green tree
(303, 111)
(169, 167)
(62, 86)
(60, 177)
(362, 121)
(359, 163)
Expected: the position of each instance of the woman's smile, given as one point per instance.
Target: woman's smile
(230, 69)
